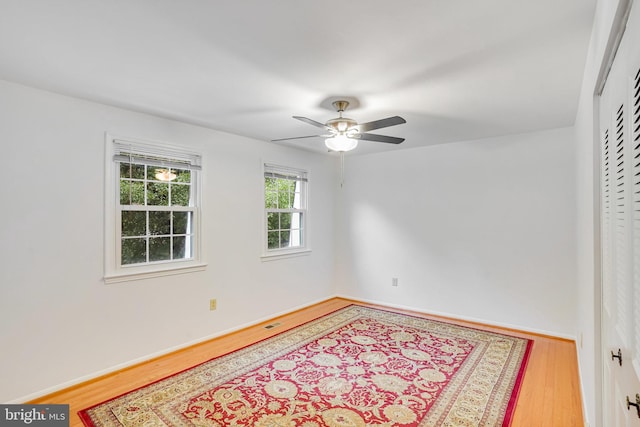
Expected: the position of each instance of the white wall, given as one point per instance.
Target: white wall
(481, 229)
(586, 184)
(60, 322)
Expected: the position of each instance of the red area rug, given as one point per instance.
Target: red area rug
(355, 367)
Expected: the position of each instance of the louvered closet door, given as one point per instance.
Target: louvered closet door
(620, 230)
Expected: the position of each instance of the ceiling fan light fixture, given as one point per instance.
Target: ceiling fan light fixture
(341, 143)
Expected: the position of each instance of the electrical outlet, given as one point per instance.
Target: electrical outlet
(213, 304)
(394, 281)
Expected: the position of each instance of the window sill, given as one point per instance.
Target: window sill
(139, 275)
(282, 255)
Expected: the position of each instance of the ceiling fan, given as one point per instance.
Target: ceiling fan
(344, 133)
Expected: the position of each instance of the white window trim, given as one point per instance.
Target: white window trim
(113, 272)
(278, 254)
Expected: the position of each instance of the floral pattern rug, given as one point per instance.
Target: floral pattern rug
(356, 367)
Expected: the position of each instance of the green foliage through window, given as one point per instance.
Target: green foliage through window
(156, 221)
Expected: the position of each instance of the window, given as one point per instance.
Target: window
(153, 210)
(285, 201)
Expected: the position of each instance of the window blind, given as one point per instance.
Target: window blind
(153, 155)
(273, 171)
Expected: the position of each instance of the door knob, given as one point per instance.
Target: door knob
(617, 356)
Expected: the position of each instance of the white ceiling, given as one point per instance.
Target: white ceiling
(455, 70)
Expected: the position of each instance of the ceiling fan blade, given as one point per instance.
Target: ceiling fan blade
(380, 138)
(301, 137)
(311, 122)
(382, 123)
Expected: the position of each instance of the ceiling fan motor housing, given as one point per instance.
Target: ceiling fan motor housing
(340, 105)
(341, 124)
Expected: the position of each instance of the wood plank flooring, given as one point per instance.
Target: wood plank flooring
(550, 393)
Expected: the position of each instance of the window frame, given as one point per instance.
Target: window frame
(304, 248)
(115, 272)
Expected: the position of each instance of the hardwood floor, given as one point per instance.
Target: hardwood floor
(550, 393)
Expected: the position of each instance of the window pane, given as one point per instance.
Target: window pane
(182, 175)
(134, 251)
(159, 248)
(179, 247)
(159, 222)
(285, 221)
(180, 194)
(270, 201)
(284, 238)
(162, 174)
(273, 238)
(134, 223)
(131, 192)
(158, 193)
(295, 238)
(270, 193)
(284, 193)
(181, 221)
(131, 171)
(296, 220)
(273, 222)
(297, 201)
